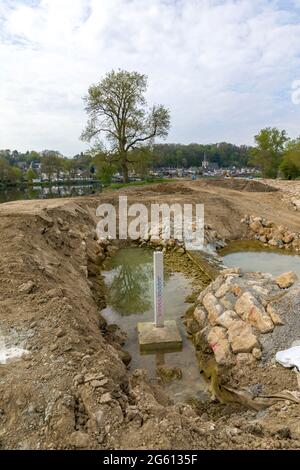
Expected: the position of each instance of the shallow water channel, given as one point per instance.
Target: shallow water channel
(129, 281)
(253, 256)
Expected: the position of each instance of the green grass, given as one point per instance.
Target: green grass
(139, 183)
(64, 183)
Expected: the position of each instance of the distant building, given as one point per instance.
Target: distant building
(209, 166)
(205, 162)
(36, 166)
(22, 165)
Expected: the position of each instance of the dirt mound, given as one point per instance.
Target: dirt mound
(241, 185)
(171, 188)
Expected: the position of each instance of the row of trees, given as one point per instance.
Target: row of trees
(225, 154)
(275, 154)
(96, 163)
(17, 166)
(9, 173)
(54, 164)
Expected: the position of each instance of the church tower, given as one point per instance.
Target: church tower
(205, 163)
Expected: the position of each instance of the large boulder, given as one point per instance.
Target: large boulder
(296, 245)
(226, 318)
(276, 242)
(255, 226)
(241, 337)
(236, 289)
(286, 280)
(288, 237)
(218, 342)
(225, 287)
(192, 326)
(228, 301)
(296, 203)
(213, 307)
(79, 440)
(243, 359)
(251, 311)
(276, 318)
(200, 317)
(94, 252)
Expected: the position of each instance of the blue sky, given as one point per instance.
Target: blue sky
(224, 68)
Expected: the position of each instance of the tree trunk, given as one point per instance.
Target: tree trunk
(125, 172)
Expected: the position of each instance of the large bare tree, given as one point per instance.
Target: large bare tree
(118, 110)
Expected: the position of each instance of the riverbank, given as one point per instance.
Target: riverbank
(73, 388)
(47, 190)
(47, 184)
(63, 189)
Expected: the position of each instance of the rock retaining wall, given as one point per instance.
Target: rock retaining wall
(234, 311)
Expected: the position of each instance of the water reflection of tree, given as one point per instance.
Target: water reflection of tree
(130, 288)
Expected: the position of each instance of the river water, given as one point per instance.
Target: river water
(129, 279)
(39, 192)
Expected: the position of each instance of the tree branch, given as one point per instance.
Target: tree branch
(141, 139)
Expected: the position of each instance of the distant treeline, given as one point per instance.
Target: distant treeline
(274, 154)
(190, 155)
(18, 166)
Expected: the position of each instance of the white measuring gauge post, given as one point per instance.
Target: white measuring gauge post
(158, 269)
(160, 334)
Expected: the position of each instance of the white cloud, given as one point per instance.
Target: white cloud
(224, 68)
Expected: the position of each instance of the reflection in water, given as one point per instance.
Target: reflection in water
(130, 281)
(39, 192)
(130, 288)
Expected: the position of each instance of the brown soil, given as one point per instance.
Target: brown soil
(241, 185)
(74, 389)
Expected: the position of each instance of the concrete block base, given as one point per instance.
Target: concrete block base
(152, 338)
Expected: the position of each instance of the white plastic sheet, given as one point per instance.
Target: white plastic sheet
(289, 357)
(9, 353)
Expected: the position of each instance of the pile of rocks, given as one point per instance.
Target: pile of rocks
(234, 310)
(165, 243)
(156, 238)
(268, 233)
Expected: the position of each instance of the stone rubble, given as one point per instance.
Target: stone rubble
(233, 334)
(286, 280)
(160, 239)
(271, 235)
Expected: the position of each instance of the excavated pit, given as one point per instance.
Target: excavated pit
(129, 281)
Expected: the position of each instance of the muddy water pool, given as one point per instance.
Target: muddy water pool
(129, 281)
(252, 256)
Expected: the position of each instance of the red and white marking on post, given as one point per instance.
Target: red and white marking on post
(158, 263)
